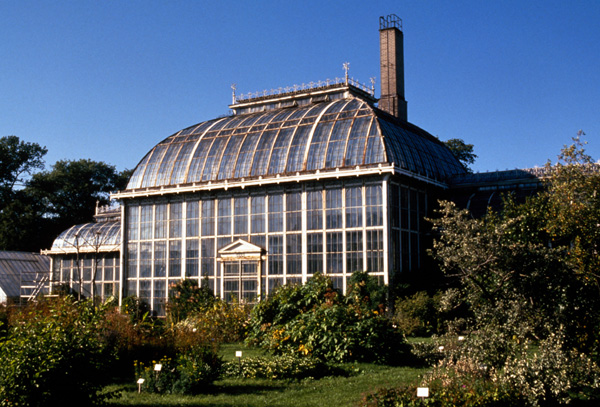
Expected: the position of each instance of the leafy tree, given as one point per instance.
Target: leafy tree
(72, 188)
(17, 158)
(573, 209)
(34, 210)
(21, 224)
(529, 275)
(18, 214)
(462, 151)
(70, 191)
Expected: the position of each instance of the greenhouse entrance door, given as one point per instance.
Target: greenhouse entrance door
(240, 281)
(241, 264)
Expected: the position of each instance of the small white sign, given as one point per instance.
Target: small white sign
(140, 381)
(158, 367)
(238, 353)
(423, 392)
(461, 338)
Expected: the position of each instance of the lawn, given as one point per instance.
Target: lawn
(337, 391)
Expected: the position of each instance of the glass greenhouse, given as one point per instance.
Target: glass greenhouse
(251, 201)
(86, 258)
(316, 180)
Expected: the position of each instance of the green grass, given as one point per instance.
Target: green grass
(335, 391)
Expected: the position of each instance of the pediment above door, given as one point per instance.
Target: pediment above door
(241, 249)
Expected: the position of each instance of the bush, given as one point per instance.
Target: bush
(190, 373)
(470, 394)
(144, 340)
(287, 367)
(552, 375)
(463, 382)
(418, 314)
(55, 356)
(315, 320)
(186, 298)
(222, 322)
(135, 308)
(490, 362)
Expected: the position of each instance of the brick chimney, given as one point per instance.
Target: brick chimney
(391, 45)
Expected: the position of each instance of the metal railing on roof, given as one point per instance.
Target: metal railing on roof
(302, 88)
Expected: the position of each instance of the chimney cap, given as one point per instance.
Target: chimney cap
(390, 21)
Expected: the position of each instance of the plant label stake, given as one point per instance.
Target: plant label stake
(423, 392)
(238, 355)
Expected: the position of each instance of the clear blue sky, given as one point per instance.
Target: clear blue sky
(108, 79)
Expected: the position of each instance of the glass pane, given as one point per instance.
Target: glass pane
(224, 217)
(191, 258)
(160, 259)
(257, 204)
(276, 213)
(175, 258)
(240, 225)
(175, 223)
(333, 204)
(314, 210)
(208, 217)
(315, 252)
(294, 253)
(160, 221)
(335, 253)
(294, 211)
(353, 207)
(192, 218)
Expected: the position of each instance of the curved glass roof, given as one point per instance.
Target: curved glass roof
(89, 236)
(336, 134)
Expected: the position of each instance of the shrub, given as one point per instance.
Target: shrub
(55, 356)
(189, 373)
(222, 322)
(135, 308)
(364, 290)
(470, 394)
(143, 340)
(452, 383)
(417, 315)
(186, 297)
(287, 367)
(552, 375)
(316, 320)
(490, 362)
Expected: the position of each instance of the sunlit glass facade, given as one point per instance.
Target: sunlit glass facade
(316, 227)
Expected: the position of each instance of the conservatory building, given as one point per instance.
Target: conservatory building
(315, 179)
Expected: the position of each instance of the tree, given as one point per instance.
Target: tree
(462, 151)
(17, 158)
(529, 276)
(573, 203)
(531, 269)
(21, 224)
(70, 191)
(18, 214)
